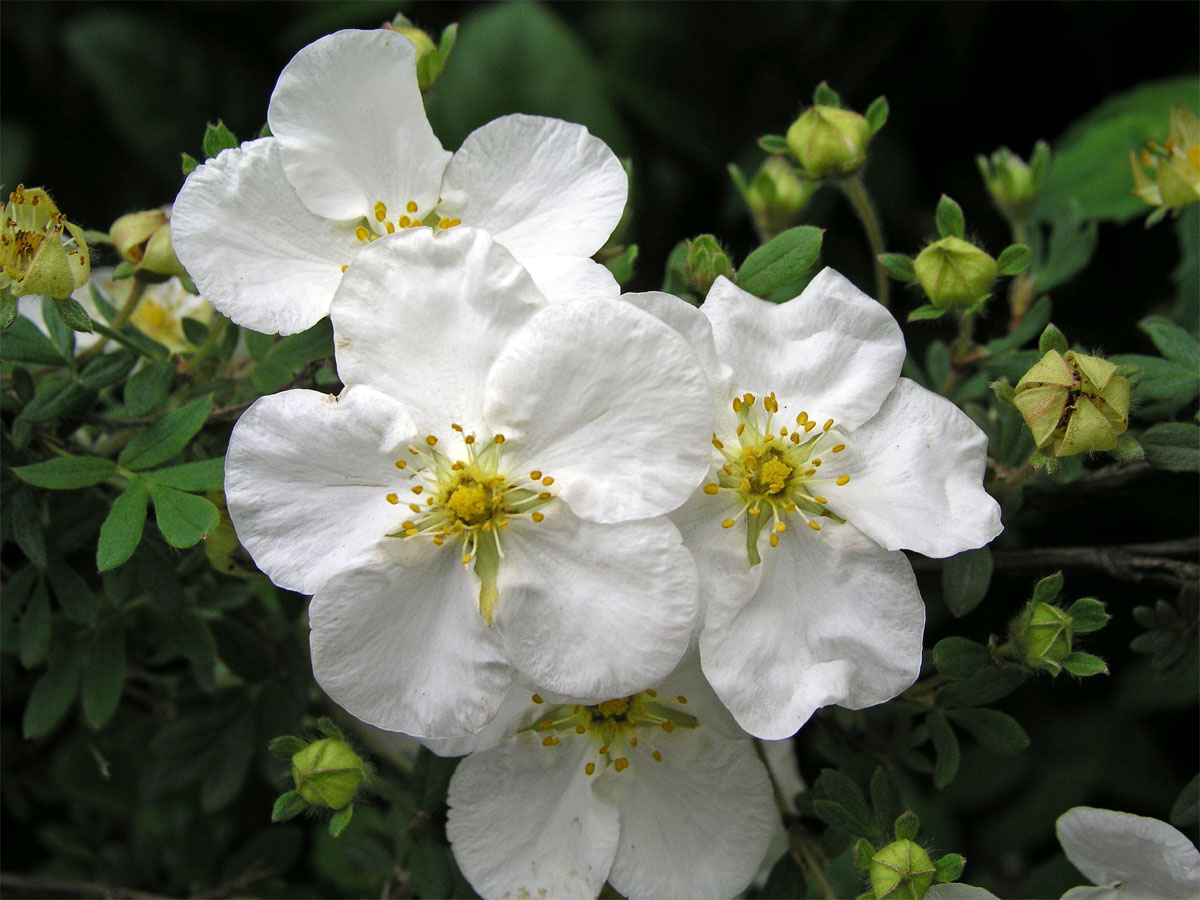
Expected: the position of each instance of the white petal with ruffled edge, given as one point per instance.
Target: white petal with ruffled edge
(570, 278)
(1149, 859)
(525, 822)
(404, 648)
(832, 351)
(608, 400)
(693, 326)
(956, 891)
(835, 619)
(423, 317)
(916, 477)
(348, 114)
(252, 247)
(542, 187)
(595, 611)
(307, 476)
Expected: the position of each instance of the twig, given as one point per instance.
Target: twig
(43, 884)
(258, 870)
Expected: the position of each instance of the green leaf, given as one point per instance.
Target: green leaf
(899, 266)
(231, 756)
(108, 369)
(75, 595)
(241, 649)
(167, 436)
(329, 728)
(122, 530)
(1013, 259)
(147, 389)
(995, 731)
(949, 218)
(1173, 446)
(217, 138)
(1052, 339)
(297, 349)
(206, 475)
(71, 314)
(26, 522)
(1087, 615)
(184, 519)
(945, 747)
(1071, 246)
(195, 331)
(1036, 318)
(62, 334)
(965, 580)
(906, 826)
(52, 696)
(921, 313)
(257, 343)
(1048, 588)
(188, 164)
(621, 265)
(269, 377)
(839, 801)
(288, 806)
(986, 686)
(339, 821)
(773, 143)
(1185, 811)
(824, 95)
(286, 746)
(36, 626)
(104, 674)
(67, 472)
(877, 114)
(1083, 664)
(949, 867)
(430, 870)
(24, 342)
(785, 258)
(958, 658)
(1172, 341)
(884, 801)
(8, 308)
(1162, 379)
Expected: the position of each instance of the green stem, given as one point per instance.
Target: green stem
(812, 867)
(1022, 289)
(962, 353)
(856, 192)
(131, 302)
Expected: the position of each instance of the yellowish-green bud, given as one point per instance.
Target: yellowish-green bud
(954, 273)
(777, 196)
(327, 773)
(431, 57)
(1168, 175)
(40, 251)
(1073, 403)
(902, 869)
(706, 260)
(1014, 184)
(829, 141)
(1043, 636)
(144, 241)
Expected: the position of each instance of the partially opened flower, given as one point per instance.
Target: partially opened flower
(486, 495)
(267, 229)
(1128, 857)
(825, 465)
(659, 793)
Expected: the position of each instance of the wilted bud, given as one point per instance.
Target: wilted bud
(327, 773)
(829, 141)
(1174, 167)
(706, 260)
(902, 869)
(144, 241)
(777, 195)
(954, 273)
(1074, 403)
(431, 58)
(40, 251)
(1014, 184)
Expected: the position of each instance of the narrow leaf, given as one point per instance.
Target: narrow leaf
(167, 436)
(1173, 446)
(217, 138)
(995, 731)
(785, 258)
(1087, 615)
(340, 820)
(36, 626)
(206, 475)
(949, 218)
(147, 389)
(75, 595)
(1013, 259)
(925, 312)
(1052, 339)
(986, 686)
(773, 143)
(1048, 588)
(104, 674)
(959, 658)
(898, 266)
(286, 746)
(25, 519)
(122, 530)
(67, 472)
(52, 696)
(288, 806)
(965, 580)
(945, 746)
(1082, 664)
(73, 315)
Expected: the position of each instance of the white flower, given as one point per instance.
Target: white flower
(266, 229)
(659, 793)
(826, 464)
(1129, 857)
(485, 496)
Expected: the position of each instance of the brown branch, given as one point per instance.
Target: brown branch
(41, 885)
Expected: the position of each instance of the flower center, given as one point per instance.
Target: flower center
(30, 217)
(776, 470)
(468, 500)
(613, 725)
(379, 224)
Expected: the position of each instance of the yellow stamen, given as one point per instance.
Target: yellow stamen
(380, 211)
(590, 769)
(620, 763)
(843, 479)
(393, 499)
(711, 489)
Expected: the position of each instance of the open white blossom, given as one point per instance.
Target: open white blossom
(826, 464)
(267, 229)
(485, 497)
(1128, 857)
(659, 793)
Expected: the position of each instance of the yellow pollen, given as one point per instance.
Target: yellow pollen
(537, 698)
(417, 489)
(809, 473)
(754, 510)
(393, 499)
(657, 756)
(774, 475)
(668, 726)
(813, 525)
(361, 233)
(748, 398)
(546, 726)
(404, 221)
(580, 729)
(380, 211)
(345, 267)
(633, 742)
(537, 516)
(430, 440)
(711, 489)
(717, 443)
(681, 698)
(773, 540)
(620, 764)
(737, 404)
(820, 500)
(401, 464)
(809, 426)
(469, 439)
(414, 507)
(816, 461)
(843, 479)
(741, 429)
(610, 708)
(545, 495)
(603, 751)
(410, 206)
(470, 503)
(550, 741)
(466, 559)
(650, 692)
(728, 523)
(802, 418)
(781, 527)
(391, 229)
(838, 448)
(535, 474)
(547, 481)
(828, 424)
(590, 769)
(499, 439)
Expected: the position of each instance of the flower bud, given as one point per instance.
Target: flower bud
(777, 196)
(1014, 184)
(40, 251)
(1044, 636)
(954, 273)
(1174, 167)
(902, 869)
(829, 141)
(327, 773)
(1073, 403)
(706, 260)
(144, 241)
(431, 58)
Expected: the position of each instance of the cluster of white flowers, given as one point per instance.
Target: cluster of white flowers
(595, 541)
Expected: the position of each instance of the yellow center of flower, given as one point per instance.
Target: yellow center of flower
(378, 224)
(469, 500)
(615, 726)
(30, 219)
(779, 471)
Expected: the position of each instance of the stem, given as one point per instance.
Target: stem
(962, 352)
(1022, 289)
(856, 192)
(809, 864)
(131, 302)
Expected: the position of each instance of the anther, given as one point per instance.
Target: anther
(410, 206)
(820, 500)
(537, 698)
(590, 769)
(380, 211)
(843, 479)
(802, 418)
(711, 489)
(546, 726)
(828, 424)
(550, 741)
(535, 474)
(401, 464)
(651, 692)
(430, 440)
(838, 448)
(547, 481)
(632, 741)
(417, 489)
(728, 523)
(545, 495)
(657, 756)
(361, 233)
(499, 439)
(391, 229)
(620, 763)
(781, 527)
(773, 540)
(393, 499)
(580, 729)
(537, 516)
(668, 726)
(809, 426)
(681, 699)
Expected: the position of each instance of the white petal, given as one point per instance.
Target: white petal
(517, 710)
(348, 114)
(610, 402)
(524, 821)
(252, 247)
(404, 649)
(1095, 893)
(956, 891)
(695, 825)
(423, 316)
(832, 351)
(916, 477)
(1151, 859)
(835, 619)
(570, 277)
(542, 187)
(693, 326)
(307, 477)
(595, 611)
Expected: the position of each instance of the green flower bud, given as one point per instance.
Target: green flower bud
(902, 869)
(777, 196)
(431, 57)
(1014, 184)
(40, 251)
(1073, 403)
(327, 773)
(954, 273)
(829, 141)
(1174, 167)
(1044, 636)
(706, 260)
(144, 241)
